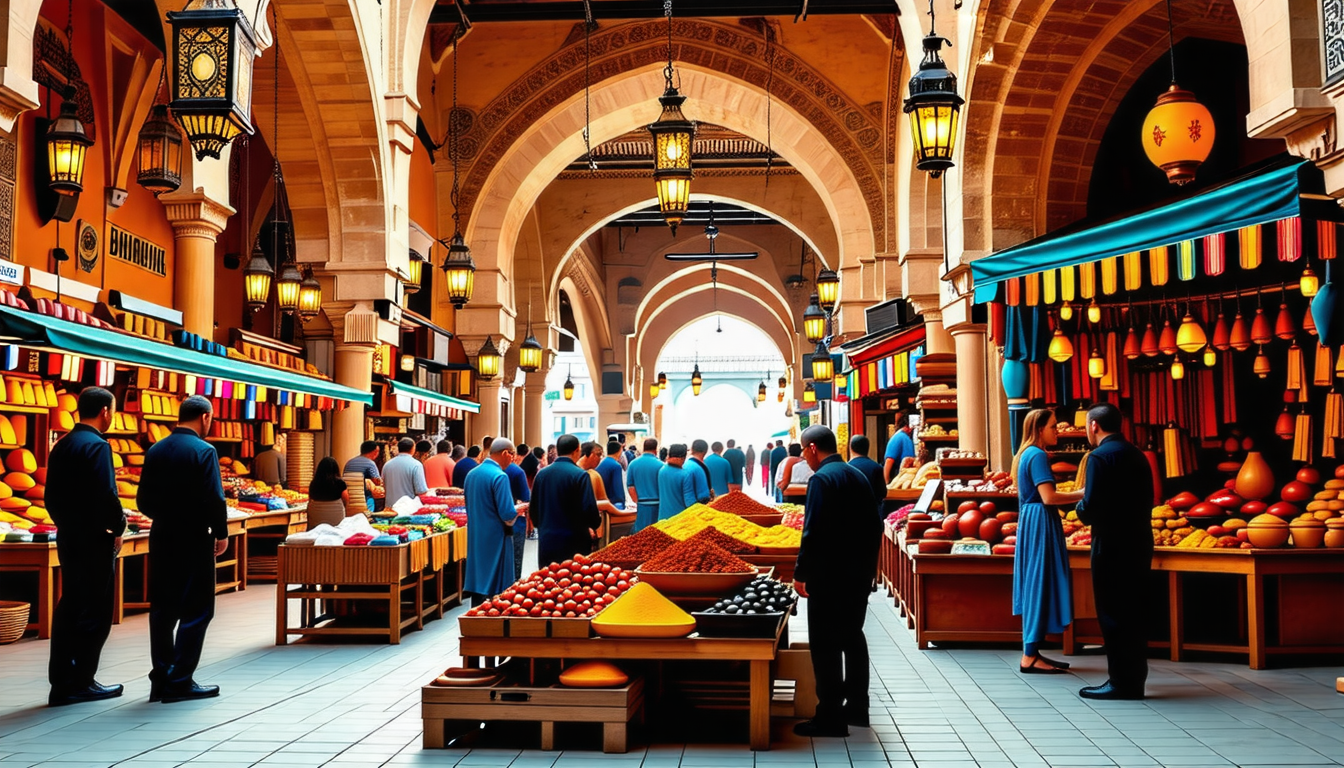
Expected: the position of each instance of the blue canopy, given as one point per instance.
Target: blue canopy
(1258, 199)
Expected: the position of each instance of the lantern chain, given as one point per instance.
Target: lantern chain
(769, 102)
(588, 25)
(1171, 43)
(452, 135)
(667, 11)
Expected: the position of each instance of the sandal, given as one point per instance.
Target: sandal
(1033, 669)
(1053, 663)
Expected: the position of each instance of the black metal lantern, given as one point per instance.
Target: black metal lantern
(934, 107)
(823, 369)
(310, 298)
(160, 152)
(67, 147)
(460, 270)
(809, 393)
(662, 381)
(257, 279)
(213, 49)
(697, 381)
(569, 384)
(414, 270)
(828, 289)
(488, 359)
(672, 137)
(761, 393)
(814, 323)
(287, 288)
(530, 354)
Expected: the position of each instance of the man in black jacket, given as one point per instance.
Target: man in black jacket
(181, 491)
(836, 563)
(859, 445)
(564, 507)
(1117, 500)
(82, 498)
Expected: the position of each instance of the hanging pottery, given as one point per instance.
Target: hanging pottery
(1239, 338)
(1284, 426)
(1149, 345)
(1260, 333)
(1016, 377)
(1167, 341)
(1284, 327)
(1131, 348)
(1255, 480)
(1308, 322)
(1323, 308)
(1221, 337)
(1261, 366)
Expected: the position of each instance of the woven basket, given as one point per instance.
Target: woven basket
(13, 620)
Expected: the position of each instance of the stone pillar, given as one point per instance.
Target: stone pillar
(197, 221)
(534, 396)
(486, 423)
(354, 369)
(300, 460)
(972, 405)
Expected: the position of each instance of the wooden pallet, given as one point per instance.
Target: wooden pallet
(613, 707)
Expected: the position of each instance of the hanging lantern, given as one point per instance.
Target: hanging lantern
(1283, 427)
(1309, 283)
(1178, 134)
(828, 289)
(672, 136)
(414, 271)
(1210, 357)
(1149, 345)
(569, 387)
(823, 369)
(67, 146)
(654, 391)
(814, 321)
(779, 396)
(1167, 341)
(1221, 339)
(662, 381)
(761, 393)
(783, 382)
(530, 354)
(257, 279)
(213, 48)
(1061, 349)
(1096, 364)
(1260, 333)
(488, 361)
(310, 298)
(1284, 327)
(1066, 312)
(841, 382)
(809, 393)
(1094, 313)
(1261, 366)
(934, 108)
(459, 270)
(160, 152)
(697, 381)
(1191, 336)
(1131, 349)
(1177, 369)
(1239, 339)
(287, 288)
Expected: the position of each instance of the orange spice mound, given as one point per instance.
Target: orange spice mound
(740, 503)
(712, 535)
(691, 556)
(636, 548)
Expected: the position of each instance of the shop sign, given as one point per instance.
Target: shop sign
(11, 273)
(86, 246)
(133, 249)
(551, 395)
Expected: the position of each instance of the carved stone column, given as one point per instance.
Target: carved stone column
(197, 221)
(972, 411)
(354, 369)
(534, 396)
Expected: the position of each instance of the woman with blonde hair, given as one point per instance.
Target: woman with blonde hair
(1041, 567)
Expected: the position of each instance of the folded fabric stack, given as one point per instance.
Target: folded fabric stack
(235, 513)
(359, 540)
(415, 535)
(276, 503)
(385, 541)
(323, 535)
(423, 519)
(19, 537)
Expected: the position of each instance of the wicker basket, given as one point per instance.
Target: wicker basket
(13, 620)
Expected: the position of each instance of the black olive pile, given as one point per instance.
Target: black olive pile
(764, 595)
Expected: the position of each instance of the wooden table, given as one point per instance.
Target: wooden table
(271, 528)
(760, 652)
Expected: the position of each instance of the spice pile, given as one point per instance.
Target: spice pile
(573, 589)
(740, 503)
(644, 612)
(697, 555)
(712, 535)
(698, 517)
(636, 548)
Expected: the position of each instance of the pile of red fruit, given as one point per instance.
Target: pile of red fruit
(576, 588)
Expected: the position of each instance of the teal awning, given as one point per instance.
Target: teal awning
(436, 398)
(1258, 199)
(34, 330)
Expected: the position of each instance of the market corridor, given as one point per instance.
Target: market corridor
(358, 705)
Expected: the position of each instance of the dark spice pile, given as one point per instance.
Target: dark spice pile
(692, 556)
(636, 548)
(712, 535)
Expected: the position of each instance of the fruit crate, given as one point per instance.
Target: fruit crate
(531, 626)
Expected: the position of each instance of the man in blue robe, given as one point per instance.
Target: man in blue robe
(611, 472)
(491, 516)
(643, 479)
(564, 507)
(676, 484)
(522, 494)
(720, 471)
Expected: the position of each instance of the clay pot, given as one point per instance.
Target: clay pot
(1307, 534)
(1255, 480)
(1267, 532)
(1334, 533)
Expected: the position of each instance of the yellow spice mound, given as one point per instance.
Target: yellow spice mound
(594, 674)
(698, 517)
(643, 612)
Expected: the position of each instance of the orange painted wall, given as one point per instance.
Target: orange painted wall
(423, 207)
(141, 214)
(238, 237)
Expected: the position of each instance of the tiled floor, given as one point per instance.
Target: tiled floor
(358, 705)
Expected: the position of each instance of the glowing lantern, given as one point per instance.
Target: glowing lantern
(1061, 349)
(1190, 337)
(1178, 134)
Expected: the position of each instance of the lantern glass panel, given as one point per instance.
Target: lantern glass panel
(828, 289)
(529, 355)
(487, 362)
(934, 128)
(823, 369)
(287, 289)
(310, 297)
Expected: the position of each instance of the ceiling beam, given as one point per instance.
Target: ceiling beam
(607, 10)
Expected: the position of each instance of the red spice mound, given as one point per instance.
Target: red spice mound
(712, 535)
(691, 556)
(740, 503)
(636, 548)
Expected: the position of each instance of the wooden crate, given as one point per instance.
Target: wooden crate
(345, 565)
(613, 707)
(501, 626)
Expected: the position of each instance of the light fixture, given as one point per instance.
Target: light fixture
(530, 351)
(934, 107)
(841, 382)
(1261, 366)
(697, 381)
(1309, 283)
(1167, 341)
(408, 363)
(672, 137)
(459, 268)
(779, 396)
(1096, 364)
(257, 279)
(67, 147)
(1191, 337)
(415, 267)
(569, 384)
(287, 288)
(159, 152)
(213, 49)
(1066, 312)
(1177, 369)
(662, 381)
(1210, 356)
(783, 382)
(654, 391)
(1131, 350)
(1094, 312)
(310, 297)
(1061, 349)
(1178, 132)
(761, 393)
(828, 289)
(488, 359)
(1149, 344)
(1260, 332)
(823, 369)
(809, 393)
(814, 320)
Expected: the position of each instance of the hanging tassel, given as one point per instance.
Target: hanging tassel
(1068, 285)
(1295, 369)
(1215, 254)
(1326, 240)
(1158, 266)
(1324, 369)
(1185, 260)
(1173, 455)
(1133, 271)
(1288, 233)
(1033, 289)
(1049, 288)
(1302, 439)
(1333, 427)
(1248, 240)
(1087, 279)
(1110, 282)
(1110, 382)
(1012, 292)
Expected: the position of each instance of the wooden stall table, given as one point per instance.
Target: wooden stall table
(271, 527)
(39, 558)
(760, 652)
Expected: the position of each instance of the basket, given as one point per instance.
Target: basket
(13, 620)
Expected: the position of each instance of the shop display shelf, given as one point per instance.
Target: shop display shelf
(33, 409)
(904, 494)
(940, 438)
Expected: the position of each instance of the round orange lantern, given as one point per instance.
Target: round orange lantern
(1178, 134)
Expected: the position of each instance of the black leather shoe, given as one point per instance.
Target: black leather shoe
(857, 719)
(156, 693)
(1109, 691)
(187, 692)
(819, 729)
(93, 692)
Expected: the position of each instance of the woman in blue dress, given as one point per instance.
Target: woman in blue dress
(1041, 567)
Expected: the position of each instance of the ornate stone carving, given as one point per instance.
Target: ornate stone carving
(1315, 141)
(732, 50)
(1332, 39)
(8, 157)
